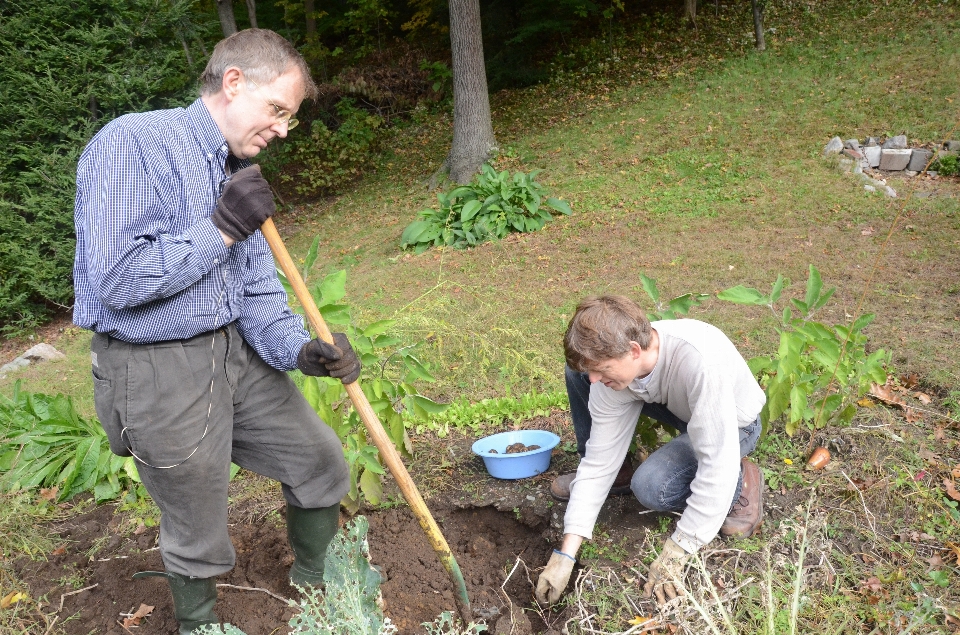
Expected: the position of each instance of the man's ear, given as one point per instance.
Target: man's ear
(232, 79)
(635, 350)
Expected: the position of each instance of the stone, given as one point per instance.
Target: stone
(894, 159)
(844, 165)
(869, 188)
(852, 144)
(892, 193)
(952, 146)
(35, 354)
(834, 146)
(919, 159)
(895, 143)
(910, 173)
(870, 142)
(43, 353)
(872, 154)
(852, 153)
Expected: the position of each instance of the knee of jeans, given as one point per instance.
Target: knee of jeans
(645, 492)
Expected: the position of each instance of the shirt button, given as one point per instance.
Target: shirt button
(216, 261)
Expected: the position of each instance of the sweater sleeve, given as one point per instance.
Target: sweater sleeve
(713, 430)
(614, 418)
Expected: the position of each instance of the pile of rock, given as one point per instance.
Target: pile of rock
(892, 155)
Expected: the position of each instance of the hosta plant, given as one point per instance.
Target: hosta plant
(489, 208)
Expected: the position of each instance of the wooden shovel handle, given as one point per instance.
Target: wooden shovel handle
(375, 429)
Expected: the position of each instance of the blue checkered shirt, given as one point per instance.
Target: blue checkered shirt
(150, 264)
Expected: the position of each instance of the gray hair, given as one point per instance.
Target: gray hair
(261, 55)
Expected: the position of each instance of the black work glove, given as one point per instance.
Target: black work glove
(337, 360)
(245, 203)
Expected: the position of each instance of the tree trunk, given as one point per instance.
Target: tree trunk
(758, 24)
(228, 23)
(252, 13)
(186, 51)
(473, 140)
(311, 18)
(690, 11)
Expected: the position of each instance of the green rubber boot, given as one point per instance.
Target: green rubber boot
(310, 532)
(193, 599)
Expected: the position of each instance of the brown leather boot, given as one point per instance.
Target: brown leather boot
(747, 512)
(560, 488)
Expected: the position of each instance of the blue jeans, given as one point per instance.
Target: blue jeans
(662, 482)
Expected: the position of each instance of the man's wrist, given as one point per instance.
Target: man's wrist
(227, 241)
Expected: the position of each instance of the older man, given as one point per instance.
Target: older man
(686, 374)
(192, 328)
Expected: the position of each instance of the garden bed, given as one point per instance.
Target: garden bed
(858, 537)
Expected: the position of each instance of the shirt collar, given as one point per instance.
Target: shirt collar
(205, 129)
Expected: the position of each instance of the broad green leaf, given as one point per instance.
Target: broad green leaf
(743, 295)
(417, 370)
(759, 364)
(335, 313)
(470, 209)
(798, 403)
(778, 398)
(650, 287)
(311, 391)
(378, 327)
(428, 405)
(559, 204)
(814, 286)
(863, 321)
(777, 289)
(682, 304)
(311, 257)
(130, 469)
(371, 487)
(333, 287)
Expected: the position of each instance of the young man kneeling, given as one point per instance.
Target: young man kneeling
(686, 374)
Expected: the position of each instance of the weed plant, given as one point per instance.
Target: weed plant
(489, 208)
(350, 603)
(389, 372)
(45, 443)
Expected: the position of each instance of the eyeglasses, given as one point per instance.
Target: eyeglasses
(280, 114)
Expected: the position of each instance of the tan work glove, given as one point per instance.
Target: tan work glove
(665, 571)
(554, 578)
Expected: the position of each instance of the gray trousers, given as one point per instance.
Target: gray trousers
(187, 408)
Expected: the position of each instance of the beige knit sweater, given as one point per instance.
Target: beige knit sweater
(702, 379)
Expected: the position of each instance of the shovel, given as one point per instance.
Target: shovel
(374, 428)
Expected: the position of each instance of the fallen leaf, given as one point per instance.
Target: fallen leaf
(134, 620)
(935, 561)
(885, 394)
(951, 489)
(955, 548)
(49, 493)
(912, 415)
(924, 398)
(910, 381)
(638, 620)
(12, 598)
(59, 551)
(955, 472)
(940, 435)
(867, 231)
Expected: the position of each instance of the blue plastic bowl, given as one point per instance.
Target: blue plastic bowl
(520, 464)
